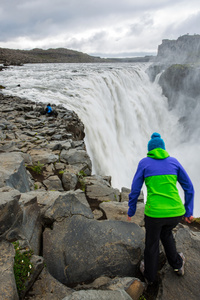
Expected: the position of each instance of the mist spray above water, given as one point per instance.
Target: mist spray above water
(120, 109)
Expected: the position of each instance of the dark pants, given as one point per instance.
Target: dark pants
(160, 229)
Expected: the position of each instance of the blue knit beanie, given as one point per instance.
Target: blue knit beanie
(156, 142)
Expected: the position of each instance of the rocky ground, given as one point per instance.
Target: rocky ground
(73, 221)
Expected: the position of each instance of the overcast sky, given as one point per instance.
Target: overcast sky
(97, 27)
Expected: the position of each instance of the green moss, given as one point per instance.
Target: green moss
(181, 66)
(22, 266)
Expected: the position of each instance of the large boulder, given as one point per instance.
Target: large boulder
(13, 172)
(78, 249)
(187, 286)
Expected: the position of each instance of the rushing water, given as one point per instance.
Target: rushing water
(119, 107)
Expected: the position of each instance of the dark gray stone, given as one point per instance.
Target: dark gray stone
(78, 249)
(10, 211)
(13, 172)
(74, 157)
(31, 226)
(69, 204)
(53, 183)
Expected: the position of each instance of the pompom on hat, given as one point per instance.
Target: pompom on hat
(156, 142)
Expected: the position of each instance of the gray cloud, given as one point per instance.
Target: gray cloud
(189, 25)
(108, 26)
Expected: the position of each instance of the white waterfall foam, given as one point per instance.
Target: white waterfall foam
(118, 105)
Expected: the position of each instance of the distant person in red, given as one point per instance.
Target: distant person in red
(164, 208)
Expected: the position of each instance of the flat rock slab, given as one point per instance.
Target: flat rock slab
(43, 156)
(118, 211)
(100, 295)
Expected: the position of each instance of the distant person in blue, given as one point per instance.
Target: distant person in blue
(49, 110)
(164, 208)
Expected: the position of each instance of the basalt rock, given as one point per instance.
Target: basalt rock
(80, 249)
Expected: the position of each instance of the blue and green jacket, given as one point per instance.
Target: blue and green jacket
(160, 172)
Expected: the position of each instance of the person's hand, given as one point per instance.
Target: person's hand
(189, 219)
(128, 218)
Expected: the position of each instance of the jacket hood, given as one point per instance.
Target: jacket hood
(158, 153)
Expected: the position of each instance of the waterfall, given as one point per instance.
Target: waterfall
(120, 109)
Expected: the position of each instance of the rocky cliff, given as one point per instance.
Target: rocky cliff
(186, 49)
(178, 66)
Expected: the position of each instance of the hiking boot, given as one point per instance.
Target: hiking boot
(181, 271)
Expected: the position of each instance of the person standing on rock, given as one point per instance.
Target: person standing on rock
(164, 208)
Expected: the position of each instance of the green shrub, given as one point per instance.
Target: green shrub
(82, 174)
(37, 168)
(22, 266)
(81, 180)
(35, 186)
(142, 298)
